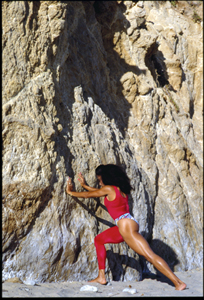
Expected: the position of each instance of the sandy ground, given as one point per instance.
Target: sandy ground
(148, 287)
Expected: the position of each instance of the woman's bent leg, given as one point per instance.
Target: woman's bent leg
(111, 235)
(138, 243)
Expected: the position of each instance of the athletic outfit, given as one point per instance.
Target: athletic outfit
(118, 209)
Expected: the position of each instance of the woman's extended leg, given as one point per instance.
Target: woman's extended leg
(129, 231)
(111, 235)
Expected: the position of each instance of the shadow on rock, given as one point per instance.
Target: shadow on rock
(118, 265)
(92, 213)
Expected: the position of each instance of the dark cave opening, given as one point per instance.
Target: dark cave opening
(155, 62)
(160, 71)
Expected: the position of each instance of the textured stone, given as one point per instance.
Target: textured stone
(86, 83)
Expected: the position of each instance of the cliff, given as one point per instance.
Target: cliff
(91, 82)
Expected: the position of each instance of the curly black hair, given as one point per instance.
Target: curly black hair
(114, 175)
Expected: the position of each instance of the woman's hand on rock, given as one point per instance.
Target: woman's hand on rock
(69, 185)
(81, 179)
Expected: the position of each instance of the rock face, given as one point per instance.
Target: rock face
(94, 82)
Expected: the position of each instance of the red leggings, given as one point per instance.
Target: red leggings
(111, 235)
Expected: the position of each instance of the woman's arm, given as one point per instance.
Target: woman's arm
(104, 191)
(84, 185)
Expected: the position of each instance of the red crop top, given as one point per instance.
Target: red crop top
(118, 206)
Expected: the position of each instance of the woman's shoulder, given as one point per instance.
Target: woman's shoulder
(114, 187)
(111, 192)
(110, 186)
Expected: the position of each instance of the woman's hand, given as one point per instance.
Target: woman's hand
(81, 179)
(84, 184)
(69, 186)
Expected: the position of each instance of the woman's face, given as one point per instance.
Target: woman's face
(100, 180)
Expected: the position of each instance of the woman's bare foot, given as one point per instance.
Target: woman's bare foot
(99, 280)
(101, 277)
(181, 286)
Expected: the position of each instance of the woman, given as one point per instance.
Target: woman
(115, 186)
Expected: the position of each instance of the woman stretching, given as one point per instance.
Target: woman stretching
(115, 186)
